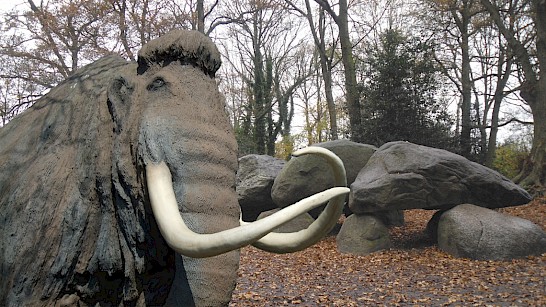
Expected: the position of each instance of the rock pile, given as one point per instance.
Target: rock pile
(402, 175)
(399, 176)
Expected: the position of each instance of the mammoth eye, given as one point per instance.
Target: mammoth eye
(156, 84)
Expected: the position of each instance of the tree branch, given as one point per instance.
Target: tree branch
(326, 6)
(510, 121)
(519, 49)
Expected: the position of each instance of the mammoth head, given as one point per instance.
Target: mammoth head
(170, 119)
(187, 146)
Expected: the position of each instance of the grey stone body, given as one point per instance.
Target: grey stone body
(402, 175)
(76, 227)
(254, 181)
(301, 222)
(363, 234)
(354, 155)
(479, 233)
(390, 218)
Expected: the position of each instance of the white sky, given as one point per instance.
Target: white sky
(6, 5)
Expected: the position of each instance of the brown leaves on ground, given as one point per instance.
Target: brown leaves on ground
(413, 272)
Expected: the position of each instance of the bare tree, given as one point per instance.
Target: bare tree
(314, 107)
(45, 44)
(265, 46)
(529, 47)
(455, 22)
(494, 64)
(16, 93)
(326, 57)
(139, 21)
(58, 38)
(341, 19)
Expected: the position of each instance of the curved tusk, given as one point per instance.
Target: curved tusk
(188, 243)
(295, 241)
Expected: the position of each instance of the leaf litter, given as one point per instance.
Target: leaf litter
(414, 272)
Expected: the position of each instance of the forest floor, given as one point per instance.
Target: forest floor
(413, 273)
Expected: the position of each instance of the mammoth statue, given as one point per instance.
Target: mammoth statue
(117, 188)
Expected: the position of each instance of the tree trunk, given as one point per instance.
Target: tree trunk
(326, 69)
(352, 95)
(123, 29)
(259, 108)
(492, 143)
(533, 173)
(327, 78)
(537, 174)
(466, 86)
(502, 79)
(324, 60)
(308, 126)
(200, 16)
(533, 91)
(351, 87)
(482, 123)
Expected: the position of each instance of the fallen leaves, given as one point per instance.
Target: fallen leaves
(414, 272)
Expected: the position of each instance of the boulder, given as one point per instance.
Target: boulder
(474, 232)
(362, 235)
(432, 225)
(299, 223)
(354, 155)
(254, 181)
(402, 175)
(306, 175)
(391, 218)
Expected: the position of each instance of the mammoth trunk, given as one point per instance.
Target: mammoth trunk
(202, 162)
(208, 204)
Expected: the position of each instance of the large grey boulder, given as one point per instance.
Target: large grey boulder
(307, 175)
(474, 232)
(354, 155)
(299, 223)
(254, 181)
(402, 175)
(362, 235)
(392, 218)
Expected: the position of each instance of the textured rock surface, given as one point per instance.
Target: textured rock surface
(254, 181)
(354, 155)
(300, 178)
(363, 234)
(390, 218)
(402, 175)
(301, 222)
(306, 175)
(479, 233)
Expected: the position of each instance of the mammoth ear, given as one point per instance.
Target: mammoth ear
(119, 100)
